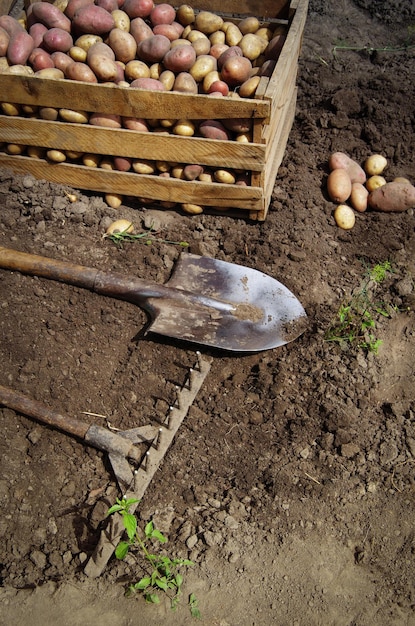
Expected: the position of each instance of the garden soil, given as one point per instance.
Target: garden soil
(291, 482)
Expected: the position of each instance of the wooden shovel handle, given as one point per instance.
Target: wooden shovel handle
(39, 411)
(35, 265)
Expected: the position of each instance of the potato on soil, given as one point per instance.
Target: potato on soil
(340, 160)
(339, 185)
(375, 165)
(358, 197)
(392, 197)
(344, 217)
(374, 182)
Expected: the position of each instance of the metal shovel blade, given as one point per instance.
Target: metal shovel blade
(238, 308)
(206, 301)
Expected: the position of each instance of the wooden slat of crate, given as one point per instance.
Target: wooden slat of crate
(130, 184)
(127, 102)
(128, 143)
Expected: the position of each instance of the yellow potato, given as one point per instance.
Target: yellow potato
(344, 217)
(252, 46)
(76, 117)
(374, 182)
(120, 226)
(249, 25)
(233, 35)
(143, 166)
(48, 113)
(192, 209)
(375, 164)
(114, 200)
(77, 54)
(224, 176)
(57, 156)
(15, 148)
(87, 41)
(121, 20)
(185, 15)
(249, 87)
(186, 128)
(91, 160)
(203, 65)
(208, 22)
(9, 108)
(50, 73)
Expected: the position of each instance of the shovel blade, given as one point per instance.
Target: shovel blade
(236, 308)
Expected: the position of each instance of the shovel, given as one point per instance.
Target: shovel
(206, 301)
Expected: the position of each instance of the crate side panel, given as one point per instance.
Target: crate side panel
(136, 185)
(139, 103)
(122, 142)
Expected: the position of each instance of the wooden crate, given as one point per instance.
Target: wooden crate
(272, 111)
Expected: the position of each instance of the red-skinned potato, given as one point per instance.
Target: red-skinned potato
(49, 15)
(339, 185)
(10, 25)
(180, 58)
(76, 70)
(61, 60)
(162, 14)
(4, 42)
(153, 49)
(138, 8)
(168, 30)
(340, 160)
(122, 164)
(236, 70)
(219, 86)
(108, 5)
(213, 129)
(39, 59)
(218, 49)
(135, 123)
(148, 83)
(37, 31)
(230, 51)
(20, 47)
(191, 172)
(140, 30)
(392, 197)
(56, 39)
(73, 6)
(93, 20)
(105, 119)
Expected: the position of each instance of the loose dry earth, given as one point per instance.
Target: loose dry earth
(291, 482)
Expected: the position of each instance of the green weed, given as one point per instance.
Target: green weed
(408, 44)
(162, 572)
(355, 322)
(147, 237)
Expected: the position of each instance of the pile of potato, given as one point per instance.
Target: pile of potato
(365, 187)
(140, 44)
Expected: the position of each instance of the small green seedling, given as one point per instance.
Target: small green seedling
(408, 44)
(163, 572)
(146, 237)
(355, 323)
